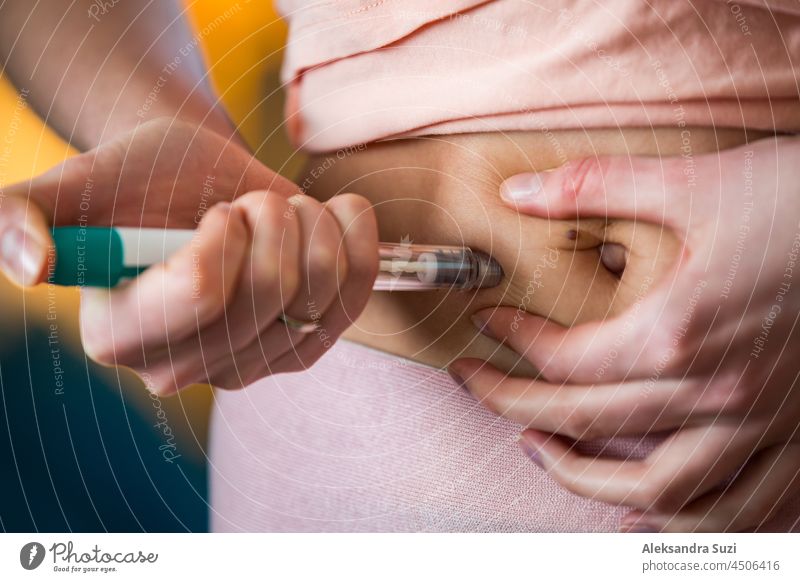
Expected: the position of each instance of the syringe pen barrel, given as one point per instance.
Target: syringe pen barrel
(413, 267)
(103, 256)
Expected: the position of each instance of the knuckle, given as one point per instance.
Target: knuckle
(583, 177)
(727, 392)
(589, 431)
(551, 368)
(575, 419)
(322, 262)
(666, 503)
(646, 494)
(653, 493)
(275, 206)
(288, 280)
(674, 173)
(735, 397)
(253, 206)
(209, 298)
(352, 204)
(342, 266)
(711, 396)
(660, 348)
(268, 276)
(265, 225)
(667, 499)
(563, 413)
(167, 122)
(578, 424)
(281, 273)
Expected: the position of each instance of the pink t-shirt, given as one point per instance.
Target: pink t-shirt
(365, 70)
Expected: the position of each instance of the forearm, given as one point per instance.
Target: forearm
(94, 69)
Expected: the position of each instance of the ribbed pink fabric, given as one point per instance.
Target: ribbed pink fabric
(365, 70)
(365, 441)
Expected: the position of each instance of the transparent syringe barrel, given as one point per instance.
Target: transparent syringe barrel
(407, 267)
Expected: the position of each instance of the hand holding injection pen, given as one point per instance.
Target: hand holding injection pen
(209, 313)
(238, 298)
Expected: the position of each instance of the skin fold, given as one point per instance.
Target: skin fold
(444, 190)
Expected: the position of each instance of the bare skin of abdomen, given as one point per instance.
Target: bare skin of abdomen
(445, 190)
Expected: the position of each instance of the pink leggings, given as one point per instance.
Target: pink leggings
(367, 442)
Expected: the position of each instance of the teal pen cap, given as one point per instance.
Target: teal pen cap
(87, 256)
(95, 256)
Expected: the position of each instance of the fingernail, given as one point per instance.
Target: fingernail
(530, 451)
(637, 528)
(483, 326)
(22, 256)
(521, 188)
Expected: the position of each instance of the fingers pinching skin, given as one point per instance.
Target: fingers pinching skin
(171, 301)
(602, 351)
(686, 466)
(770, 479)
(634, 187)
(581, 411)
(693, 337)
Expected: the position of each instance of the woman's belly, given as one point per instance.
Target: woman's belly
(445, 190)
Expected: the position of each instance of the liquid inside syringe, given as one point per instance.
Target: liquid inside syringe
(412, 267)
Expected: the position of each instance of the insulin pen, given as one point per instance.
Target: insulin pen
(105, 256)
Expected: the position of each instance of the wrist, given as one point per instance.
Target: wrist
(168, 99)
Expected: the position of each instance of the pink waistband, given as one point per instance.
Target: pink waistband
(366, 441)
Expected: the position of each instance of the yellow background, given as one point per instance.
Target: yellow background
(243, 51)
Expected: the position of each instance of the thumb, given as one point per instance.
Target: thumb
(25, 241)
(634, 187)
